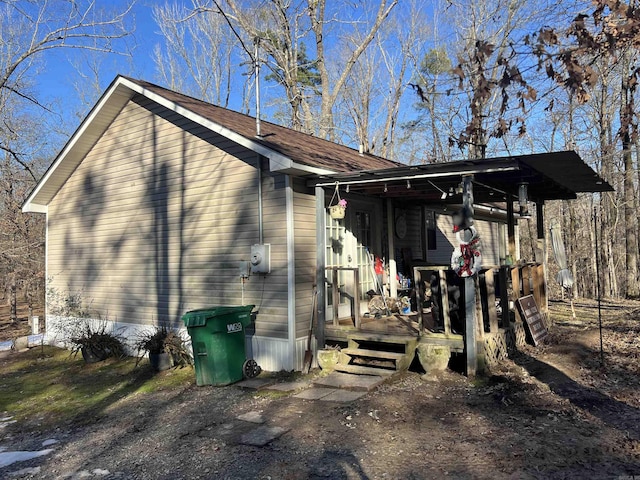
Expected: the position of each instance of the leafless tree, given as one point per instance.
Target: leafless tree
(196, 56)
(297, 40)
(30, 31)
(373, 91)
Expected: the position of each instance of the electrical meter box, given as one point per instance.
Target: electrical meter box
(260, 258)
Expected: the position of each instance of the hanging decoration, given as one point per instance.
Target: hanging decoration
(466, 259)
(337, 210)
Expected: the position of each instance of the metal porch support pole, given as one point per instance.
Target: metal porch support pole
(540, 232)
(511, 231)
(393, 267)
(320, 268)
(470, 337)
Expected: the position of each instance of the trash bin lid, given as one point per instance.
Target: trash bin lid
(200, 316)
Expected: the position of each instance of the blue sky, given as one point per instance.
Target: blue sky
(57, 80)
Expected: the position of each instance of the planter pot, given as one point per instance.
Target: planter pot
(92, 355)
(434, 358)
(160, 361)
(327, 359)
(337, 211)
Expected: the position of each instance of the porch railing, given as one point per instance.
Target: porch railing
(336, 293)
(513, 282)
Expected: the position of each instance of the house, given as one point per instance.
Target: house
(159, 204)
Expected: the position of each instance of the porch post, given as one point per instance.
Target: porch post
(320, 268)
(542, 245)
(393, 268)
(511, 231)
(470, 346)
(540, 232)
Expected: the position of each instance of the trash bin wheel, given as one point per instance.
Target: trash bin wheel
(251, 369)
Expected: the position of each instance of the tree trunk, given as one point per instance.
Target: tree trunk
(630, 224)
(608, 213)
(631, 243)
(330, 92)
(13, 300)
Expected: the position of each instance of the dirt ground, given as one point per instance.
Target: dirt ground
(9, 330)
(551, 412)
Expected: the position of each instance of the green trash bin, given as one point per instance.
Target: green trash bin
(218, 341)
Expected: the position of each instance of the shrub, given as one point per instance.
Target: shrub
(96, 340)
(163, 340)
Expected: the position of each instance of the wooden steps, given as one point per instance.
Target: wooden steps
(361, 352)
(376, 354)
(364, 370)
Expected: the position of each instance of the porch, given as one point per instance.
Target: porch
(474, 316)
(440, 320)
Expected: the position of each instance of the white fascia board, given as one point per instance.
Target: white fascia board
(298, 169)
(31, 207)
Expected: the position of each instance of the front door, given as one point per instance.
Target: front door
(349, 243)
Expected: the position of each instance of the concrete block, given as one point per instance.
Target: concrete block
(314, 393)
(349, 382)
(255, 383)
(252, 417)
(288, 386)
(262, 435)
(21, 343)
(343, 396)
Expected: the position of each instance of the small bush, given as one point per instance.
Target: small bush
(97, 340)
(163, 340)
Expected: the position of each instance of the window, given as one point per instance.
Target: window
(430, 229)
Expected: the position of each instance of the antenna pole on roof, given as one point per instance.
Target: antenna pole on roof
(256, 62)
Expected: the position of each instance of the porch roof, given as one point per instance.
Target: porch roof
(550, 176)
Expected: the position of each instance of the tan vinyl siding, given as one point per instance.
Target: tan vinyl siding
(304, 209)
(156, 219)
(489, 237)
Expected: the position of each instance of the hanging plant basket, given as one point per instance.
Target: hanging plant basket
(338, 209)
(337, 212)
